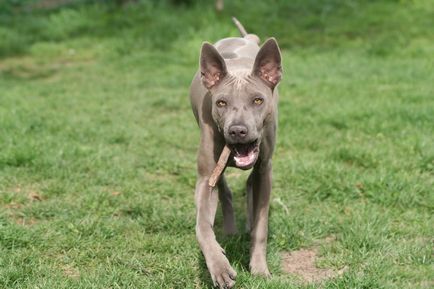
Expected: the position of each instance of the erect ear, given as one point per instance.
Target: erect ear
(268, 63)
(212, 66)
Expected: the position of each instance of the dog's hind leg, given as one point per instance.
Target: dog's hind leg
(225, 196)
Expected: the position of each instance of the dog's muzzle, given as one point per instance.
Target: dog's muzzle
(245, 154)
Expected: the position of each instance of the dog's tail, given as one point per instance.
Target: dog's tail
(243, 32)
(240, 27)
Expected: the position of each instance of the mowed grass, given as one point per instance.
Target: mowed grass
(98, 144)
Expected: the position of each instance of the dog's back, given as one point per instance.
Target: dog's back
(238, 53)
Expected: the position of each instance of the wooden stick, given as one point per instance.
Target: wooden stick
(221, 164)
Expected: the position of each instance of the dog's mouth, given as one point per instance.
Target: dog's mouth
(245, 154)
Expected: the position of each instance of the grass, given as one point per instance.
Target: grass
(98, 143)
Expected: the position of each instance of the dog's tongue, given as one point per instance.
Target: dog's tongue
(245, 158)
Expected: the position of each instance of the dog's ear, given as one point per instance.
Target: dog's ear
(212, 66)
(268, 63)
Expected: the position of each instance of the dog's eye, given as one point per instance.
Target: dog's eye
(258, 101)
(221, 103)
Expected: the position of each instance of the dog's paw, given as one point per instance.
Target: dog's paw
(259, 269)
(222, 273)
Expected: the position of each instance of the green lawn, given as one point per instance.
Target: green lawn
(98, 143)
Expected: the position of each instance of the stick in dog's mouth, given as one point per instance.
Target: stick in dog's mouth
(245, 156)
(221, 164)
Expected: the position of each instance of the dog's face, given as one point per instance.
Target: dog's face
(242, 100)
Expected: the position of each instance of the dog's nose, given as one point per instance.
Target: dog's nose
(238, 132)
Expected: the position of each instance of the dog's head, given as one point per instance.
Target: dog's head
(242, 100)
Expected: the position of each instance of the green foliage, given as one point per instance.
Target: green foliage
(98, 142)
(326, 24)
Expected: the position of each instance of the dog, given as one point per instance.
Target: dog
(234, 100)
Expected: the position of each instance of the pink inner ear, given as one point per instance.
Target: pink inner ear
(210, 80)
(211, 76)
(271, 72)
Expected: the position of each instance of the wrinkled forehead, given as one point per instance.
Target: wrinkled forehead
(243, 85)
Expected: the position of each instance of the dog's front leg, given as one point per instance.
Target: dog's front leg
(260, 181)
(206, 200)
(218, 265)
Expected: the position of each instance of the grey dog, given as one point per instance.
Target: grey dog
(234, 99)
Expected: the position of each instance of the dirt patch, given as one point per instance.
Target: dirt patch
(13, 205)
(34, 196)
(71, 272)
(302, 263)
(25, 221)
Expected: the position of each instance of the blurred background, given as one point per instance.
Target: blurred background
(380, 27)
